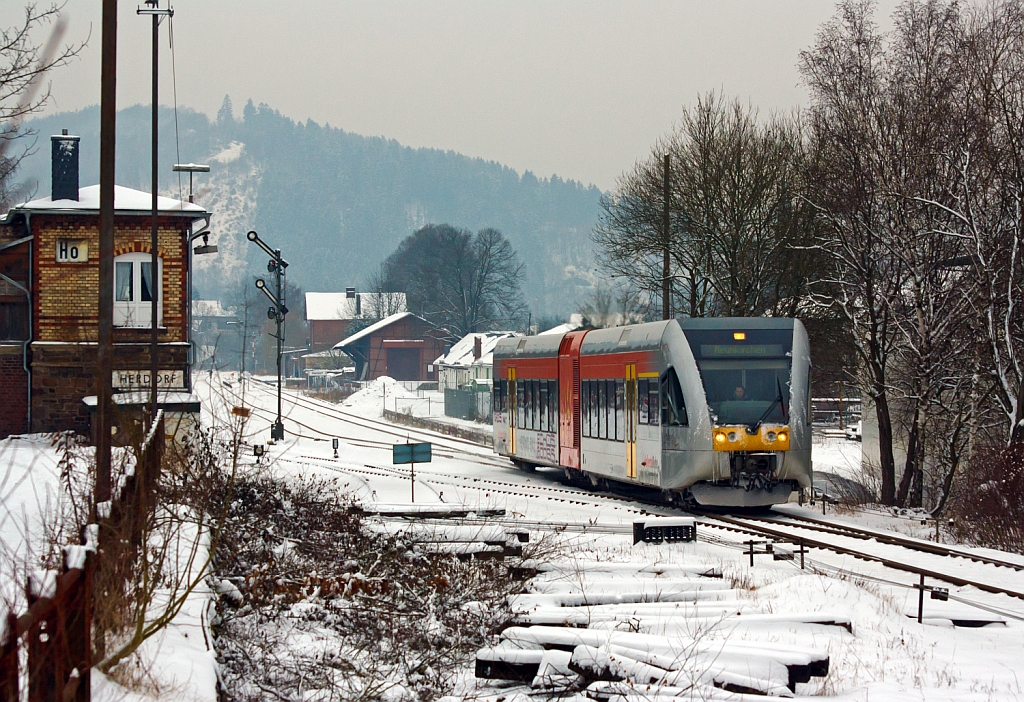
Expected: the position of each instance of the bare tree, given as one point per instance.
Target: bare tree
(738, 231)
(24, 62)
(459, 281)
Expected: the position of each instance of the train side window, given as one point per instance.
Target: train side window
(643, 401)
(538, 404)
(543, 405)
(653, 413)
(592, 407)
(520, 404)
(496, 398)
(602, 411)
(552, 405)
(673, 409)
(585, 408)
(620, 407)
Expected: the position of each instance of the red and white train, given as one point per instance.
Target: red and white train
(711, 411)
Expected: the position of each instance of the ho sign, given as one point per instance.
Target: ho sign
(72, 251)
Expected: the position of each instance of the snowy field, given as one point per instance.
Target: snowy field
(885, 654)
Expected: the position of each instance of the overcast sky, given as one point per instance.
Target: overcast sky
(581, 89)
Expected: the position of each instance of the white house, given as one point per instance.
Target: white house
(469, 359)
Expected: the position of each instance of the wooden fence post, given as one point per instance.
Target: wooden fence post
(9, 661)
(78, 631)
(42, 663)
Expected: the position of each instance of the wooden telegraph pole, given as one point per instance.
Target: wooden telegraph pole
(666, 281)
(104, 351)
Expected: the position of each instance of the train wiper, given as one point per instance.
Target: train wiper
(777, 401)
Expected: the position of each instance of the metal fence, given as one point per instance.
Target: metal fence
(473, 405)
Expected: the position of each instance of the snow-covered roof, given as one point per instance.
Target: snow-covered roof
(561, 329)
(377, 326)
(126, 200)
(324, 306)
(210, 308)
(461, 352)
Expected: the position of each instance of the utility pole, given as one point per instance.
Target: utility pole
(105, 332)
(666, 281)
(277, 312)
(153, 9)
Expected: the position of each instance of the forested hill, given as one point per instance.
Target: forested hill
(335, 202)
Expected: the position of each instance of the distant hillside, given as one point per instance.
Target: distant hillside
(338, 203)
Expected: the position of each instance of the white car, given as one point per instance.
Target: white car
(853, 431)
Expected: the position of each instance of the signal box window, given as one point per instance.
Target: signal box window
(133, 290)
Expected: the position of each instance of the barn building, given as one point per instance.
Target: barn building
(401, 346)
(49, 299)
(331, 314)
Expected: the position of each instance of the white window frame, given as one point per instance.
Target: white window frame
(137, 313)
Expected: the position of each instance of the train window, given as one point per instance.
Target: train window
(543, 406)
(602, 410)
(673, 410)
(496, 398)
(552, 405)
(585, 408)
(620, 407)
(538, 404)
(591, 409)
(520, 409)
(652, 393)
(642, 401)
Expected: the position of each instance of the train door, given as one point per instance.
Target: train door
(631, 420)
(511, 410)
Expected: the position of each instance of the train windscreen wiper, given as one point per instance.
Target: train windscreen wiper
(777, 401)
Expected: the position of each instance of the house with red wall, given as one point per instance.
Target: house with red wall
(402, 346)
(49, 299)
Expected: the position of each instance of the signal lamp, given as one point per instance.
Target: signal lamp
(720, 437)
(783, 436)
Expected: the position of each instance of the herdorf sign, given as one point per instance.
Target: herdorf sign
(72, 251)
(140, 379)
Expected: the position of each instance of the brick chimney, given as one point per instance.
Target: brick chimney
(64, 166)
(477, 348)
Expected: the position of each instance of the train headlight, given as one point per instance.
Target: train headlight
(783, 436)
(733, 436)
(719, 437)
(770, 436)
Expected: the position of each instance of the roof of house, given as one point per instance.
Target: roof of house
(211, 308)
(327, 306)
(561, 329)
(461, 352)
(375, 327)
(126, 201)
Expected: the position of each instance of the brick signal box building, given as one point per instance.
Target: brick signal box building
(49, 298)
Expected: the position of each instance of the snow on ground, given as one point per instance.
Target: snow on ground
(32, 505)
(837, 455)
(386, 393)
(888, 656)
(36, 509)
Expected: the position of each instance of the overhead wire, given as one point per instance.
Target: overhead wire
(174, 86)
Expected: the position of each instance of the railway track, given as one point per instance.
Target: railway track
(788, 528)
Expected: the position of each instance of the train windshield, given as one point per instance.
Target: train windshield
(746, 374)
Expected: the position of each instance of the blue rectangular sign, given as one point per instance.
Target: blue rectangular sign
(410, 453)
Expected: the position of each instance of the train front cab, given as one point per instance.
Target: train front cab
(748, 390)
